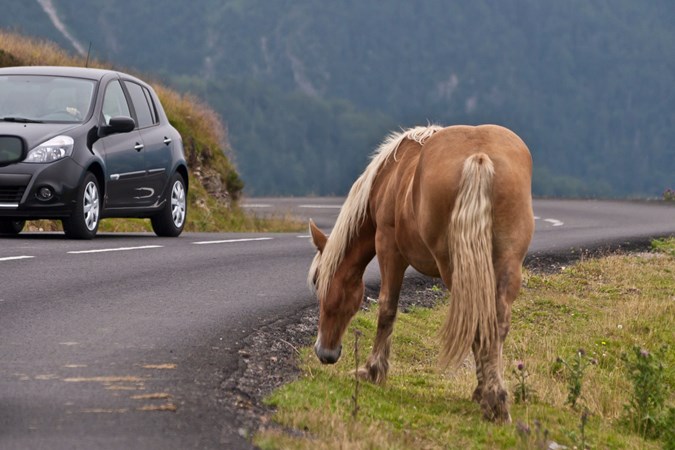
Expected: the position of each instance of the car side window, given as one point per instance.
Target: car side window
(140, 102)
(153, 108)
(114, 102)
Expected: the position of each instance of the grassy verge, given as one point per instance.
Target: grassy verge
(204, 220)
(605, 306)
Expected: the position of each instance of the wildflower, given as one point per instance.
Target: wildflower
(521, 366)
(644, 352)
(523, 428)
(582, 352)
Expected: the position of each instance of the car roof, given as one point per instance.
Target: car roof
(63, 71)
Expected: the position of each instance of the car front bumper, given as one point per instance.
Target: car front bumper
(20, 184)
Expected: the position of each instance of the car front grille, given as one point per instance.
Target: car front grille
(11, 194)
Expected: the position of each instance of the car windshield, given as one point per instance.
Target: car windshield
(44, 98)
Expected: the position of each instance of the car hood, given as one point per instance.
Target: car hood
(36, 133)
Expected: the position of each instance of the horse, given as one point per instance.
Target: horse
(453, 203)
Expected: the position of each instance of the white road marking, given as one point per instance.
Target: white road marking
(256, 205)
(321, 206)
(304, 236)
(227, 241)
(14, 258)
(554, 222)
(537, 217)
(118, 249)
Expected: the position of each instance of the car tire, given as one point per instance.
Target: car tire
(170, 221)
(84, 220)
(11, 227)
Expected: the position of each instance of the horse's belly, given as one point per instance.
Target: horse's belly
(430, 270)
(415, 252)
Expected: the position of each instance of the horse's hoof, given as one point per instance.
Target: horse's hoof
(498, 415)
(371, 374)
(495, 407)
(362, 374)
(477, 395)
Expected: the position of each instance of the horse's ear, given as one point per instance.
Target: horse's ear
(318, 238)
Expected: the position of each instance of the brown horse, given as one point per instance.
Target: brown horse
(453, 203)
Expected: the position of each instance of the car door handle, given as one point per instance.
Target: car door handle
(138, 146)
(167, 140)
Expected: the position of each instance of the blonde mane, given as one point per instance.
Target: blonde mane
(355, 209)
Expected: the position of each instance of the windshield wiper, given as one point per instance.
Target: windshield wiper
(20, 120)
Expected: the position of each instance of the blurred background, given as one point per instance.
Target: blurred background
(307, 89)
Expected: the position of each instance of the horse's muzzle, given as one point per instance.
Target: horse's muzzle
(327, 356)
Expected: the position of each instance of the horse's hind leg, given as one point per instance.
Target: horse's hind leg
(493, 396)
(490, 392)
(478, 392)
(392, 270)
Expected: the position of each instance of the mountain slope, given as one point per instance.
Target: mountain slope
(586, 84)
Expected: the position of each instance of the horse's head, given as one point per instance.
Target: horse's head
(339, 299)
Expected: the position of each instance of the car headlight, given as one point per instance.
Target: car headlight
(52, 150)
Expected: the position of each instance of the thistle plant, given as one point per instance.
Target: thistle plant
(537, 440)
(580, 440)
(646, 411)
(582, 427)
(522, 392)
(355, 397)
(576, 369)
(669, 195)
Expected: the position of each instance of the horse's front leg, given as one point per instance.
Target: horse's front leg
(392, 270)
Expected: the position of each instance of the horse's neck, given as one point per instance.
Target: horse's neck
(361, 249)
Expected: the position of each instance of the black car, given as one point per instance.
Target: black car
(97, 144)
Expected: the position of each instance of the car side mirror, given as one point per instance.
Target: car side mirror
(12, 150)
(118, 124)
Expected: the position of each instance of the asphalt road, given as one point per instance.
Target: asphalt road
(124, 341)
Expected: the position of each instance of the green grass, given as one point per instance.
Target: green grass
(665, 246)
(605, 306)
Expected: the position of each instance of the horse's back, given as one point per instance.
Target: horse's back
(444, 154)
(438, 175)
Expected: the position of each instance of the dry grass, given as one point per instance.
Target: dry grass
(605, 306)
(38, 52)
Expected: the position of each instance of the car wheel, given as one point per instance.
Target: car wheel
(83, 222)
(11, 227)
(170, 221)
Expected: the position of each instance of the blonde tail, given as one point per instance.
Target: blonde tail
(472, 294)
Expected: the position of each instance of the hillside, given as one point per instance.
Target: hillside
(308, 88)
(215, 185)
